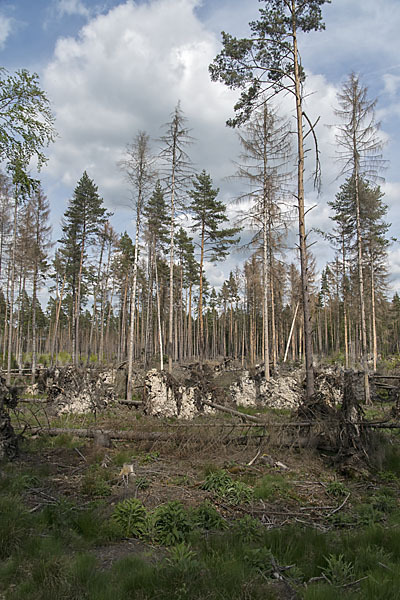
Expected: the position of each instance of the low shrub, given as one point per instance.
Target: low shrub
(222, 484)
(170, 523)
(131, 517)
(206, 516)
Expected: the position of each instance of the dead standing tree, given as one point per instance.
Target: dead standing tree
(138, 165)
(176, 167)
(360, 154)
(266, 148)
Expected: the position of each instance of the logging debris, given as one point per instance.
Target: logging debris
(8, 437)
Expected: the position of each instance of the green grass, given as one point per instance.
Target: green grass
(273, 487)
(226, 565)
(195, 553)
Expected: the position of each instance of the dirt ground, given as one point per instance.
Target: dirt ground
(176, 469)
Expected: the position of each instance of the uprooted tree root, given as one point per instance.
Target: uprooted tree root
(342, 431)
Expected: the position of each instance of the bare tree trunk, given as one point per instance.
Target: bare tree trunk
(201, 328)
(78, 301)
(149, 312)
(34, 341)
(160, 340)
(373, 318)
(53, 345)
(346, 342)
(265, 292)
(302, 231)
(96, 290)
(171, 272)
(12, 283)
(133, 306)
(291, 333)
(21, 313)
(364, 348)
(107, 334)
(190, 325)
(6, 314)
(103, 301)
(274, 345)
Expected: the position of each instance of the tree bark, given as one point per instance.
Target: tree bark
(302, 231)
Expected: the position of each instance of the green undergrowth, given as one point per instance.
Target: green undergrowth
(52, 555)
(51, 546)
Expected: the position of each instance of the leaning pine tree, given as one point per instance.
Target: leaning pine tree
(268, 63)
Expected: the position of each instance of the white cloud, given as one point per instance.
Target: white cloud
(125, 72)
(391, 83)
(127, 69)
(6, 26)
(72, 7)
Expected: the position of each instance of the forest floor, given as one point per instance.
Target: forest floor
(215, 510)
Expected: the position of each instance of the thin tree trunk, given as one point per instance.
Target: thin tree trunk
(302, 231)
(201, 328)
(160, 340)
(171, 270)
(364, 348)
(12, 283)
(103, 301)
(133, 304)
(78, 300)
(94, 309)
(5, 338)
(373, 317)
(53, 345)
(291, 333)
(265, 293)
(34, 342)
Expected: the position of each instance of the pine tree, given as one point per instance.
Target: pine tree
(268, 63)
(209, 215)
(81, 225)
(366, 228)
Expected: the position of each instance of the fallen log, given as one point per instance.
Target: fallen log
(34, 400)
(386, 386)
(231, 411)
(135, 436)
(130, 402)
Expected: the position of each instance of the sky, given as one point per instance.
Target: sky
(111, 68)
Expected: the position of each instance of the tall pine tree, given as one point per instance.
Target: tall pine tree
(81, 225)
(209, 216)
(269, 63)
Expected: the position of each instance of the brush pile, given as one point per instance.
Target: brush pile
(8, 438)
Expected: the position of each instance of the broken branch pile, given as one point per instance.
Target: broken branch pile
(8, 438)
